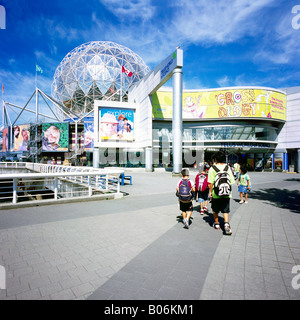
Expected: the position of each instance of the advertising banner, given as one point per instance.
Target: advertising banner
(89, 136)
(55, 136)
(116, 124)
(21, 137)
(5, 135)
(220, 104)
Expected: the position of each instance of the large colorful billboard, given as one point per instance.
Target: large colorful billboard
(55, 136)
(21, 137)
(116, 124)
(222, 104)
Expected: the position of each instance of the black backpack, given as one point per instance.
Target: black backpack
(222, 185)
(185, 191)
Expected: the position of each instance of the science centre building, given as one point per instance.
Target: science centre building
(118, 113)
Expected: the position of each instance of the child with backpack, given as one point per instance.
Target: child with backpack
(202, 189)
(220, 179)
(185, 193)
(244, 184)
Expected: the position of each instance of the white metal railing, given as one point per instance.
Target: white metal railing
(55, 182)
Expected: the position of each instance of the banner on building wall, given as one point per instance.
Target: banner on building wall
(21, 137)
(89, 136)
(55, 136)
(222, 104)
(116, 124)
(5, 137)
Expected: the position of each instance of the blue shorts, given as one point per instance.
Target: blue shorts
(242, 189)
(203, 196)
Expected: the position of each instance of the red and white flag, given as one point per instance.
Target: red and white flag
(129, 73)
(2, 88)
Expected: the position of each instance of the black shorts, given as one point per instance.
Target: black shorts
(220, 205)
(186, 206)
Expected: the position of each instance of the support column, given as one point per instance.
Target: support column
(177, 121)
(96, 158)
(273, 162)
(287, 162)
(148, 159)
(298, 161)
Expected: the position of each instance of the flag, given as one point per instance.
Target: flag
(39, 69)
(129, 73)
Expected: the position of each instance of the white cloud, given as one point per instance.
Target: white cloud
(280, 45)
(174, 23)
(130, 9)
(218, 22)
(223, 82)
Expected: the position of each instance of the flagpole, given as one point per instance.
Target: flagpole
(121, 84)
(2, 106)
(36, 95)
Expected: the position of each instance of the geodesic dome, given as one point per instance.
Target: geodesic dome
(94, 71)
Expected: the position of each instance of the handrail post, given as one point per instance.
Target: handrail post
(118, 187)
(55, 188)
(14, 200)
(90, 186)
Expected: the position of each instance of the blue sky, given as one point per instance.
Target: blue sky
(225, 43)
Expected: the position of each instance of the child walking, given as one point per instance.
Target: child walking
(244, 184)
(202, 189)
(184, 192)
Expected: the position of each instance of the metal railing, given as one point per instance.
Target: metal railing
(45, 181)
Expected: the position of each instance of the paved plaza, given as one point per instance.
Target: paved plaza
(136, 248)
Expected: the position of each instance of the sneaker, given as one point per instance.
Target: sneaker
(186, 223)
(205, 210)
(216, 226)
(246, 201)
(227, 228)
(242, 201)
(202, 212)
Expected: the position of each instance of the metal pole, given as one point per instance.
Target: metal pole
(177, 120)
(55, 188)
(76, 141)
(90, 186)
(15, 183)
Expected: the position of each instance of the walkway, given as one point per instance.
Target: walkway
(134, 248)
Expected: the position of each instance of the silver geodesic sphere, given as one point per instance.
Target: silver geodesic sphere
(94, 71)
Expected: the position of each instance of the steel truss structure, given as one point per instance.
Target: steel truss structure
(100, 70)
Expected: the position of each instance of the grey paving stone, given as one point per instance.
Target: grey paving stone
(134, 248)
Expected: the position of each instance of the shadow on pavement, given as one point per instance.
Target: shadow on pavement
(281, 198)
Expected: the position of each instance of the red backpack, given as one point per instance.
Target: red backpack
(201, 182)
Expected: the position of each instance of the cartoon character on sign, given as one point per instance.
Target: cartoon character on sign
(194, 108)
(265, 108)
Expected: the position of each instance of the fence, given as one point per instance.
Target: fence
(44, 181)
